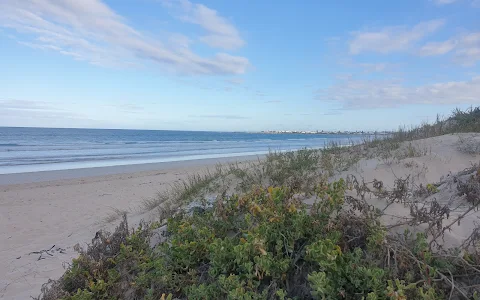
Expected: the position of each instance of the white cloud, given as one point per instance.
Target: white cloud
(437, 48)
(465, 48)
(364, 94)
(468, 56)
(91, 31)
(468, 51)
(180, 40)
(373, 67)
(392, 39)
(220, 32)
(444, 2)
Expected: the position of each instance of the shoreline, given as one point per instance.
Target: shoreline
(87, 172)
(28, 150)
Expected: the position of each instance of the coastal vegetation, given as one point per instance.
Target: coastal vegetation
(297, 225)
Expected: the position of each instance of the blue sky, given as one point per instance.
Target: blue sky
(236, 65)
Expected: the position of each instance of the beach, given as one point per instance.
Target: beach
(41, 210)
(55, 210)
(58, 187)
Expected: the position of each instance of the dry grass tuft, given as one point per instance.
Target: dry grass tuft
(469, 144)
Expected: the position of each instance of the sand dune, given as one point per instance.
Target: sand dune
(436, 160)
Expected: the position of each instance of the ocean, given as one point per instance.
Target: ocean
(44, 149)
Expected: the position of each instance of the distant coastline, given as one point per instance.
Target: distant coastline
(326, 132)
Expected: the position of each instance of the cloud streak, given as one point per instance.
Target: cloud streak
(89, 30)
(226, 117)
(392, 39)
(437, 48)
(465, 48)
(220, 32)
(16, 108)
(366, 94)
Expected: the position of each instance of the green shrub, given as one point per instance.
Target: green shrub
(266, 244)
(432, 189)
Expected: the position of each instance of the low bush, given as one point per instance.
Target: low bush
(266, 244)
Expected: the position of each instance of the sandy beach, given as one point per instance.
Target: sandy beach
(41, 210)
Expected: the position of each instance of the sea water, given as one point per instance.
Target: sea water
(42, 149)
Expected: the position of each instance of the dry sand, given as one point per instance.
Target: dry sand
(442, 157)
(37, 215)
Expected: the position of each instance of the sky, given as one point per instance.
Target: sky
(237, 65)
